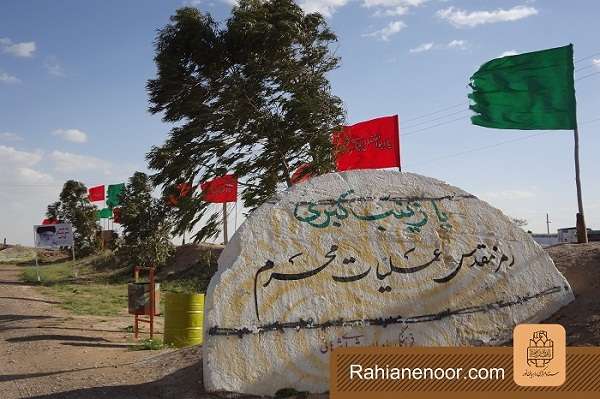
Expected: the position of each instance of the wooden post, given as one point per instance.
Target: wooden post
(235, 218)
(152, 301)
(225, 223)
(37, 266)
(581, 229)
(136, 276)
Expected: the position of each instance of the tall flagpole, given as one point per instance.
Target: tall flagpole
(225, 223)
(581, 229)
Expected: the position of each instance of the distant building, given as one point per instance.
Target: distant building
(568, 234)
(564, 235)
(545, 240)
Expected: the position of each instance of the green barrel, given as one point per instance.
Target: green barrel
(184, 318)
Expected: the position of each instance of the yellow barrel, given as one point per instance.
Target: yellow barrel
(184, 318)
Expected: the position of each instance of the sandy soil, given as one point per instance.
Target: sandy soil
(47, 353)
(580, 264)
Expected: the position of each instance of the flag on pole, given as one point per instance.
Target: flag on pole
(113, 194)
(220, 190)
(117, 215)
(301, 174)
(368, 145)
(183, 190)
(527, 91)
(104, 213)
(96, 193)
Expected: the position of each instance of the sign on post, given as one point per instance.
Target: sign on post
(53, 236)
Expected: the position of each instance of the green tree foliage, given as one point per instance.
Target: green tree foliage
(146, 225)
(249, 96)
(74, 207)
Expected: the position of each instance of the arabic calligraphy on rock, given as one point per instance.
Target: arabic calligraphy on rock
(411, 211)
(480, 256)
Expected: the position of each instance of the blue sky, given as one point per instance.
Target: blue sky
(73, 101)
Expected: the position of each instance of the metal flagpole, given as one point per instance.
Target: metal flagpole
(235, 218)
(225, 223)
(581, 229)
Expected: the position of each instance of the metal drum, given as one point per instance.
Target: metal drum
(184, 319)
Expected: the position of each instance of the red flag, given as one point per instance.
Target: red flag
(219, 190)
(300, 174)
(117, 215)
(49, 221)
(368, 145)
(96, 193)
(184, 189)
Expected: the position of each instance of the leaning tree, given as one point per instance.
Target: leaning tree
(248, 96)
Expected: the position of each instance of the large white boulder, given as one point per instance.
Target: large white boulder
(367, 258)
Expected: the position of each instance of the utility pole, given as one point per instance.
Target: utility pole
(548, 223)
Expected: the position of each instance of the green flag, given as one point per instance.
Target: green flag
(113, 194)
(105, 213)
(528, 91)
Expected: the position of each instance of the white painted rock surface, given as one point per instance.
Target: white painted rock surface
(367, 258)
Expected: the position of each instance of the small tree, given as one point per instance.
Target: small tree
(519, 222)
(250, 97)
(75, 208)
(146, 225)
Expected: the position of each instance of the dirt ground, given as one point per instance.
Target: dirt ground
(580, 264)
(47, 353)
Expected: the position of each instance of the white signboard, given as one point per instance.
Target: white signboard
(53, 235)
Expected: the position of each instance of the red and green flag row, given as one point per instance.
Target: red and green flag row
(110, 194)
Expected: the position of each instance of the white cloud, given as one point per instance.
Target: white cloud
(392, 8)
(23, 49)
(54, 67)
(596, 62)
(72, 135)
(12, 156)
(67, 162)
(458, 44)
(32, 176)
(323, 7)
(423, 47)
(19, 167)
(461, 18)
(26, 191)
(454, 44)
(509, 52)
(385, 33)
(393, 3)
(392, 12)
(8, 79)
(9, 136)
